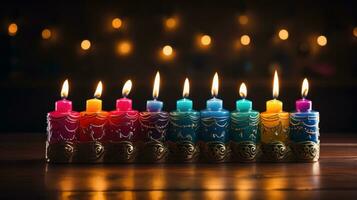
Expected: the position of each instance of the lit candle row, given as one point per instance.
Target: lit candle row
(222, 134)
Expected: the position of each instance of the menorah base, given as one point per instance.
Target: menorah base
(245, 151)
(183, 152)
(215, 152)
(307, 151)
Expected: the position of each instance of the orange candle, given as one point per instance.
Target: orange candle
(94, 119)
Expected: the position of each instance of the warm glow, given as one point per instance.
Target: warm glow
(65, 88)
(243, 90)
(171, 23)
(12, 29)
(117, 23)
(167, 50)
(46, 34)
(243, 19)
(355, 31)
(124, 48)
(321, 40)
(186, 88)
(85, 44)
(283, 34)
(305, 88)
(276, 85)
(98, 91)
(126, 88)
(155, 92)
(205, 40)
(214, 89)
(245, 40)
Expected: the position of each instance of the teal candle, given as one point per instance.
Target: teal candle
(243, 105)
(244, 129)
(184, 105)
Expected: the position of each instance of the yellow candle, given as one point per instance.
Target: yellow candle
(274, 122)
(95, 104)
(275, 106)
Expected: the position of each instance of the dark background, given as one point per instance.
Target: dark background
(33, 69)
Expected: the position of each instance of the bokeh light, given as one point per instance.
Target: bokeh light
(321, 40)
(205, 40)
(124, 48)
(12, 29)
(117, 23)
(243, 19)
(355, 31)
(85, 45)
(46, 34)
(245, 40)
(283, 34)
(171, 23)
(167, 50)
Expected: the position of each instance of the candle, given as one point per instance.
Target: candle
(214, 127)
(93, 120)
(62, 127)
(122, 130)
(244, 130)
(184, 127)
(155, 105)
(185, 104)
(154, 124)
(275, 128)
(304, 128)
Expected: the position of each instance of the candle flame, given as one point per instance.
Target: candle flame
(305, 88)
(155, 92)
(214, 89)
(98, 90)
(243, 91)
(186, 88)
(126, 88)
(276, 85)
(65, 88)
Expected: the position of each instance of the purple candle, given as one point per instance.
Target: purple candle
(304, 105)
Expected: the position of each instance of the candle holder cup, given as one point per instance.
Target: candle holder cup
(245, 136)
(91, 135)
(122, 133)
(61, 136)
(304, 136)
(214, 136)
(152, 144)
(275, 137)
(183, 136)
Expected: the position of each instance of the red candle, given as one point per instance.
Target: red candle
(62, 123)
(123, 122)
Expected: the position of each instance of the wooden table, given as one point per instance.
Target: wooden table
(24, 174)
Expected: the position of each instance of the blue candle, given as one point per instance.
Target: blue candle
(304, 128)
(244, 130)
(154, 124)
(184, 127)
(214, 128)
(155, 105)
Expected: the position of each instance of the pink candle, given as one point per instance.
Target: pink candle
(304, 105)
(123, 122)
(125, 104)
(62, 124)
